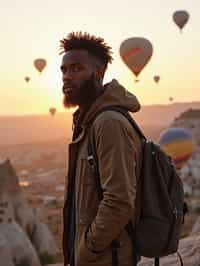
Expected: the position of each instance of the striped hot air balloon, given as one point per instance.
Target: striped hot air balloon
(178, 143)
(136, 53)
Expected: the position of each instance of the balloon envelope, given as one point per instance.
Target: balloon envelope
(180, 18)
(40, 64)
(156, 78)
(27, 79)
(52, 110)
(171, 99)
(136, 53)
(178, 143)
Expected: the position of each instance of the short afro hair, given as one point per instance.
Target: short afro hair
(84, 41)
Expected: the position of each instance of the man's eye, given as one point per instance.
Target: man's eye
(77, 68)
(62, 69)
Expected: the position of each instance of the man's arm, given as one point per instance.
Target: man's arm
(116, 151)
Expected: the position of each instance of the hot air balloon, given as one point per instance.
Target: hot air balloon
(136, 53)
(156, 78)
(27, 79)
(181, 18)
(52, 110)
(171, 99)
(178, 143)
(40, 64)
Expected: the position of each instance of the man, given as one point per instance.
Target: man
(91, 225)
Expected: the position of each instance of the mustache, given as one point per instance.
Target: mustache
(67, 86)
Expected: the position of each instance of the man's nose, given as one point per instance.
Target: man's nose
(67, 76)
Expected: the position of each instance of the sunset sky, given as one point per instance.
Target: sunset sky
(32, 29)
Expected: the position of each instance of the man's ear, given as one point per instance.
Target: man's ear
(100, 71)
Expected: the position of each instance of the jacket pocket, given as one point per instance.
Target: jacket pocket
(87, 257)
(125, 248)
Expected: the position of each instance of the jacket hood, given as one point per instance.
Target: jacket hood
(114, 95)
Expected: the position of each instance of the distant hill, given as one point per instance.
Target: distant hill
(190, 114)
(163, 114)
(34, 128)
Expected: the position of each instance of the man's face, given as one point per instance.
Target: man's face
(78, 75)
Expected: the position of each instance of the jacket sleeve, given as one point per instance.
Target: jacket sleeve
(116, 150)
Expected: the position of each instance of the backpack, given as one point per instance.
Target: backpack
(157, 227)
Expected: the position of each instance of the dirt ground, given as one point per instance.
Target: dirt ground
(51, 214)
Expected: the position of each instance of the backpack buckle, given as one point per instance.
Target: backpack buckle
(90, 160)
(92, 163)
(175, 212)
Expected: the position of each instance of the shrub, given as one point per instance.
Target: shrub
(46, 258)
(23, 262)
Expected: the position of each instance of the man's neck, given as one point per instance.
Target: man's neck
(83, 108)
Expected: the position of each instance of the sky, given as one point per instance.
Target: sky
(32, 29)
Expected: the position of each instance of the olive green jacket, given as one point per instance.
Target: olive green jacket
(119, 152)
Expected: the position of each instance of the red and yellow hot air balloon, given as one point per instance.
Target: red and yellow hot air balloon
(178, 143)
(136, 53)
(180, 18)
(40, 64)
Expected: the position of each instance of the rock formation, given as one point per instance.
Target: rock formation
(24, 239)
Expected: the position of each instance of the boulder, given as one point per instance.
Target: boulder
(184, 172)
(196, 227)
(5, 254)
(48, 200)
(189, 249)
(195, 171)
(27, 240)
(12, 203)
(187, 189)
(43, 240)
(194, 205)
(19, 244)
(24, 215)
(196, 192)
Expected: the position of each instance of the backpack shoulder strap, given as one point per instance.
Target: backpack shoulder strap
(125, 113)
(93, 162)
(92, 156)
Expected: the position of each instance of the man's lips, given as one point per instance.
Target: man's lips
(67, 90)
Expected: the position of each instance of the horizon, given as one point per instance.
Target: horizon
(66, 112)
(27, 129)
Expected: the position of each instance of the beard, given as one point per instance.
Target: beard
(82, 95)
